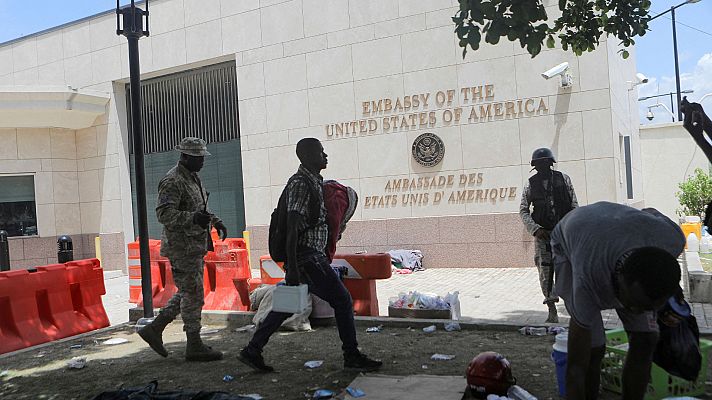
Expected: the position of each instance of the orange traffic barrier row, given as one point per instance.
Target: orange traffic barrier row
(225, 279)
(56, 301)
(362, 271)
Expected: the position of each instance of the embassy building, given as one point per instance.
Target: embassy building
(437, 146)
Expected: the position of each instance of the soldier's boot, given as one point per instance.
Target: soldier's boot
(553, 315)
(153, 334)
(196, 350)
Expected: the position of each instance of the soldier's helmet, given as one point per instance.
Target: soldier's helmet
(193, 146)
(542, 153)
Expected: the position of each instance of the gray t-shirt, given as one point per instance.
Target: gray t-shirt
(588, 242)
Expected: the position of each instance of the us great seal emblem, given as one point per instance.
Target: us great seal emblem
(428, 149)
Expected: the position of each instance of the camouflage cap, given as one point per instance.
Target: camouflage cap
(193, 146)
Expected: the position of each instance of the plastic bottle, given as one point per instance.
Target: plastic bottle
(516, 392)
(693, 243)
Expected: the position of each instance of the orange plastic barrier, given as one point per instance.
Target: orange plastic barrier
(225, 279)
(134, 262)
(86, 283)
(363, 270)
(271, 272)
(225, 282)
(56, 301)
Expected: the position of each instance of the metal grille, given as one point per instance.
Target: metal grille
(200, 102)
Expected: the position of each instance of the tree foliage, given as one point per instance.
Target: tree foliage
(579, 28)
(695, 193)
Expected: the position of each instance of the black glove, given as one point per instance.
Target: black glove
(202, 219)
(222, 230)
(542, 234)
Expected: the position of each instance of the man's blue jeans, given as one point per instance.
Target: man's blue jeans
(325, 283)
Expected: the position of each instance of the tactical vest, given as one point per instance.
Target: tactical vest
(540, 197)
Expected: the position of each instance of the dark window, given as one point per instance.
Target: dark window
(18, 215)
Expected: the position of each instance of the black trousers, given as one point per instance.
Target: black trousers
(325, 283)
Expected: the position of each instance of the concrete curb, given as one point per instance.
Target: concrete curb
(113, 274)
(63, 340)
(241, 318)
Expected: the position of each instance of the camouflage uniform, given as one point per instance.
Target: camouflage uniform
(180, 195)
(542, 257)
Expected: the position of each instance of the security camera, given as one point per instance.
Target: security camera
(641, 78)
(650, 115)
(561, 70)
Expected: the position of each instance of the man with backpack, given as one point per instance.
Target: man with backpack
(552, 196)
(298, 236)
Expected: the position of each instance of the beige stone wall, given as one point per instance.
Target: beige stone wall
(670, 156)
(469, 241)
(32, 251)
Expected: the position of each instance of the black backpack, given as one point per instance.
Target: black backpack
(278, 222)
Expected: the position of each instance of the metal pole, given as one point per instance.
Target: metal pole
(133, 30)
(4, 252)
(677, 66)
(672, 106)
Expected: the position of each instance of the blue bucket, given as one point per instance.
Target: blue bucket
(559, 358)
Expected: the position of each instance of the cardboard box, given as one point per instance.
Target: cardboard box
(418, 313)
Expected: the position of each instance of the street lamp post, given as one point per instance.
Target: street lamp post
(133, 30)
(667, 94)
(674, 45)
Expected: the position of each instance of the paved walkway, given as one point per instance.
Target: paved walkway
(502, 295)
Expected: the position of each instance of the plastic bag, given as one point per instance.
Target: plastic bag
(678, 348)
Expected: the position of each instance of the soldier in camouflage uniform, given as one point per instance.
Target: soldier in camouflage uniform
(552, 196)
(182, 209)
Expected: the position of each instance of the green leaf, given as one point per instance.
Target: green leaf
(550, 42)
(625, 54)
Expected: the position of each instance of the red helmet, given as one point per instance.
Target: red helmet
(489, 373)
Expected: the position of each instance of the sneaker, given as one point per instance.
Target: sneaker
(254, 360)
(361, 362)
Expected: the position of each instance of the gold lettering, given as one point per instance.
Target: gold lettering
(362, 128)
(372, 125)
(498, 110)
(366, 107)
(339, 129)
(386, 124)
(479, 195)
(509, 106)
(542, 106)
(387, 106)
(465, 93)
(377, 106)
(431, 118)
(489, 92)
(463, 179)
(485, 113)
(450, 180)
(477, 93)
(424, 99)
(440, 98)
(415, 101)
(329, 133)
(398, 107)
(527, 104)
(473, 116)
(512, 192)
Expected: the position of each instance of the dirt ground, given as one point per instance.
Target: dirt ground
(42, 373)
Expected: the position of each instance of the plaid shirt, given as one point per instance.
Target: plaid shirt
(312, 233)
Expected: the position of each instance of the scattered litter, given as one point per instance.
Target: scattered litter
(430, 329)
(115, 341)
(274, 381)
(442, 357)
(228, 378)
(4, 373)
(40, 355)
(209, 331)
(495, 397)
(246, 328)
(313, 364)
(77, 363)
(353, 392)
(555, 330)
(75, 346)
(534, 331)
(374, 329)
(452, 326)
(536, 375)
(323, 394)
(253, 396)
(424, 366)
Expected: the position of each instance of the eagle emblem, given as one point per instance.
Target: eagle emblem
(428, 149)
